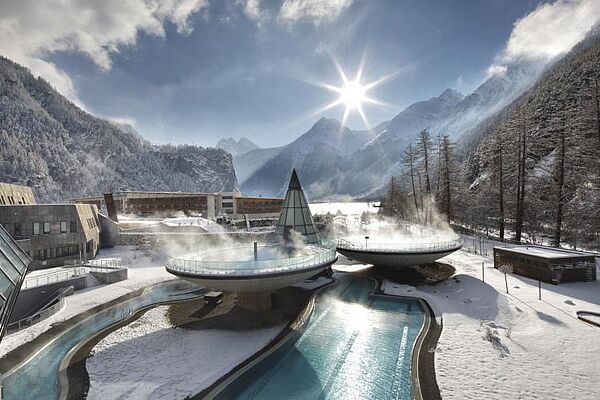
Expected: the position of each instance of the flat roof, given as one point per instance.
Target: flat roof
(260, 198)
(544, 252)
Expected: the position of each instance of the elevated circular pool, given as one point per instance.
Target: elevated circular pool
(397, 254)
(241, 269)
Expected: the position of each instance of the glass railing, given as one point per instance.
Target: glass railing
(313, 255)
(367, 245)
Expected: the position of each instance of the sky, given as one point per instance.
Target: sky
(195, 71)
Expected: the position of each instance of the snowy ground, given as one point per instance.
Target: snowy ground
(499, 346)
(149, 359)
(145, 268)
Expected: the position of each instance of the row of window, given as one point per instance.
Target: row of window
(65, 227)
(91, 222)
(56, 252)
(10, 200)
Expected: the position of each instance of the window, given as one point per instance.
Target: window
(46, 228)
(63, 226)
(18, 231)
(36, 228)
(73, 227)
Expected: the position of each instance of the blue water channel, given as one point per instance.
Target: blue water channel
(38, 377)
(354, 346)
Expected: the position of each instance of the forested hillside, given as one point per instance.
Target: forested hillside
(63, 152)
(532, 173)
(536, 172)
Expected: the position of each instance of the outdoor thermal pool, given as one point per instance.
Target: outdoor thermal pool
(354, 346)
(38, 377)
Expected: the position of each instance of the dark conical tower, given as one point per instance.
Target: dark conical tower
(295, 214)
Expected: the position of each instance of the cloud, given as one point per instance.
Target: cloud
(31, 29)
(252, 9)
(495, 69)
(551, 29)
(315, 11)
(122, 120)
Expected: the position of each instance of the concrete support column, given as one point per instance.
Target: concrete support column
(256, 301)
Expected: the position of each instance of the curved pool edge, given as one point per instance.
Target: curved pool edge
(424, 382)
(292, 329)
(21, 354)
(80, 350)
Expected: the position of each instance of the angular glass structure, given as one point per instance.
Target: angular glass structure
(13, 266)
(295, 215)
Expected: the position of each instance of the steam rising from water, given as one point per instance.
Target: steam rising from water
(354, 221)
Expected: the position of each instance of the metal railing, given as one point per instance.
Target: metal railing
(316, 255)
(53, 277)
(399, 247)
(104, 264)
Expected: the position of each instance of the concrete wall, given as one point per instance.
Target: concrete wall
(110, 276)
(35, 297)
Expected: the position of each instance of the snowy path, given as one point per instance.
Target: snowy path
(498, 346)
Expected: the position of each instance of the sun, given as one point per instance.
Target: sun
(352, 93)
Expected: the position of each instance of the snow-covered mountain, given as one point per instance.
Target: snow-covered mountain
(236, 147)
(321, 152)
(490, 97)
(63, 152)
(357, 163)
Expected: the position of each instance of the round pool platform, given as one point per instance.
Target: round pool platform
(239, 269)
(397, 255)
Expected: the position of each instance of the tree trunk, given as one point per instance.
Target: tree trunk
(521, 182)
(501, 188)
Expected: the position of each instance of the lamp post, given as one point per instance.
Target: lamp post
(366, 241)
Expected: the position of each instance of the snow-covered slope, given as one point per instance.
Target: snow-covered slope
(321, 152)
(63, 152)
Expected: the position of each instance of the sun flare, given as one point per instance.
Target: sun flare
(352, 93)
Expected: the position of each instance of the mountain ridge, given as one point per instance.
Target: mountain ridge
(64, 152)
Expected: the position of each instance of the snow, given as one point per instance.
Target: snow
(150, 359)
(206, 224)
(145, 268)
(497, 346)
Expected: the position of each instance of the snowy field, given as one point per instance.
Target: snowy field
(499, 346)
(149, 359)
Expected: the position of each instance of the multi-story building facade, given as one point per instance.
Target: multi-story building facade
(52, 234)
(210, 205)
(140, 203)
(259, 206)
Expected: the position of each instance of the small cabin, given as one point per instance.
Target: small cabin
(548, 264)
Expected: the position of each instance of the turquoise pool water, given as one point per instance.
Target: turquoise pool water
(355, 346)
(38, 378)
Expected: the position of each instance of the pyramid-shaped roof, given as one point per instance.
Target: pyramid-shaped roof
(295, 214)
